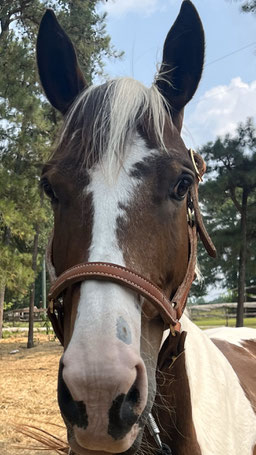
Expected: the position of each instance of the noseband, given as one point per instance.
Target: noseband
(170, 310)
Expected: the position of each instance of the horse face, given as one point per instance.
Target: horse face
(118, 183)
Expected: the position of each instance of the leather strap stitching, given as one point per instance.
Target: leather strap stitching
(146, 287)
(101, 264)
(161, 301)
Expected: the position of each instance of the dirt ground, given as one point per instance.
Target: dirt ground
(28, 384)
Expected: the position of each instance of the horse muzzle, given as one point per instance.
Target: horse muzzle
(102, 403)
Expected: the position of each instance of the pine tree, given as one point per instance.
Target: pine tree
(229, 198)
(249, 6)
(28, 126)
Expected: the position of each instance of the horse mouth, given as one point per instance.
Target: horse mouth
(103, 448)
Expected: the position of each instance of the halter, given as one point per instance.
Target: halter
(170, 310)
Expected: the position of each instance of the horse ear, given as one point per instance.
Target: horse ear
(59, 72)
(183, 59)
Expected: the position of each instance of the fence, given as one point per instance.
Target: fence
(221, 310)
(213, 311)
(22, 315)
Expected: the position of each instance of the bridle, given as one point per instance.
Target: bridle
(170, 310)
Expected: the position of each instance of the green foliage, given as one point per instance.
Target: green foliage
(28, 126)
(249, 6)
(46, 324)
(8, 306)
(231, 176)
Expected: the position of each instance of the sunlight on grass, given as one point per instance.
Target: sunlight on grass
(205, 322)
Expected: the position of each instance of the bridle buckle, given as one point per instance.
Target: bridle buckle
(51, 306)
(192, 156)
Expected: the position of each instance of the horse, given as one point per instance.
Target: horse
(136, 374)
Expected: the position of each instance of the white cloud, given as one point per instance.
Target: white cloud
(220, 109)
(121, 7)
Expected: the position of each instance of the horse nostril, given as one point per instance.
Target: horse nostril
(128, 412)
(133, 395)
(74, 412)
(122, 414)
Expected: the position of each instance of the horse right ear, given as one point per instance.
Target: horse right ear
(58, 68)
(183, 58)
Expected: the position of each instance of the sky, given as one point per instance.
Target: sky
(227, 91)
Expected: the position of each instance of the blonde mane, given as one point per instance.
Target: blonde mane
(104, 118)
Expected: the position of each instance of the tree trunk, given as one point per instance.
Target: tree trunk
(30, 343)
(2, 293)
(6, 240)
(44, 283)
(242, 263)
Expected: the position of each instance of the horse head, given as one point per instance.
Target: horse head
(119, 182)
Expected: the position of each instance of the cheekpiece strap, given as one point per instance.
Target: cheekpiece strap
(170, 310)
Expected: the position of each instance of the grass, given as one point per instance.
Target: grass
(22, 324)
(217, 318)
(17, 334)
(7, 334)
(205, 322)
(15, 330)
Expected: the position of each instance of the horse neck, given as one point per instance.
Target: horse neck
(222, 416)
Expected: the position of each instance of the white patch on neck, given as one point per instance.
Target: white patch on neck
(232, 335)
(222, 415)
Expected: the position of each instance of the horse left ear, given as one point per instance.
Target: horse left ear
(58, 68)
(183, 59)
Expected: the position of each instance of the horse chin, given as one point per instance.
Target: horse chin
(128, 446)
(78, 450)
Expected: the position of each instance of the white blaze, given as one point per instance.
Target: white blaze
(102, 303)
(99, 363)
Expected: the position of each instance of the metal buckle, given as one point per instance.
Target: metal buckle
(191, 152)
(190, 217)
(51, 306)
(172, 331)
(154, 430)
(190, 210)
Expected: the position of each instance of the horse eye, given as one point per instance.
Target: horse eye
(182, 187)
(49, 190)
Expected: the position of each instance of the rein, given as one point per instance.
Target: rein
(170, 310)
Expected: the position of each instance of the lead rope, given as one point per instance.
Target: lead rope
(153, 429)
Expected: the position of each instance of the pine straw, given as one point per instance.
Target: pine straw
(28, 384)
(47, 440)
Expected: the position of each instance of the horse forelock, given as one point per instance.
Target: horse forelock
(104, 118)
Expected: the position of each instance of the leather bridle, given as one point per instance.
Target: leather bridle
(170, 310)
